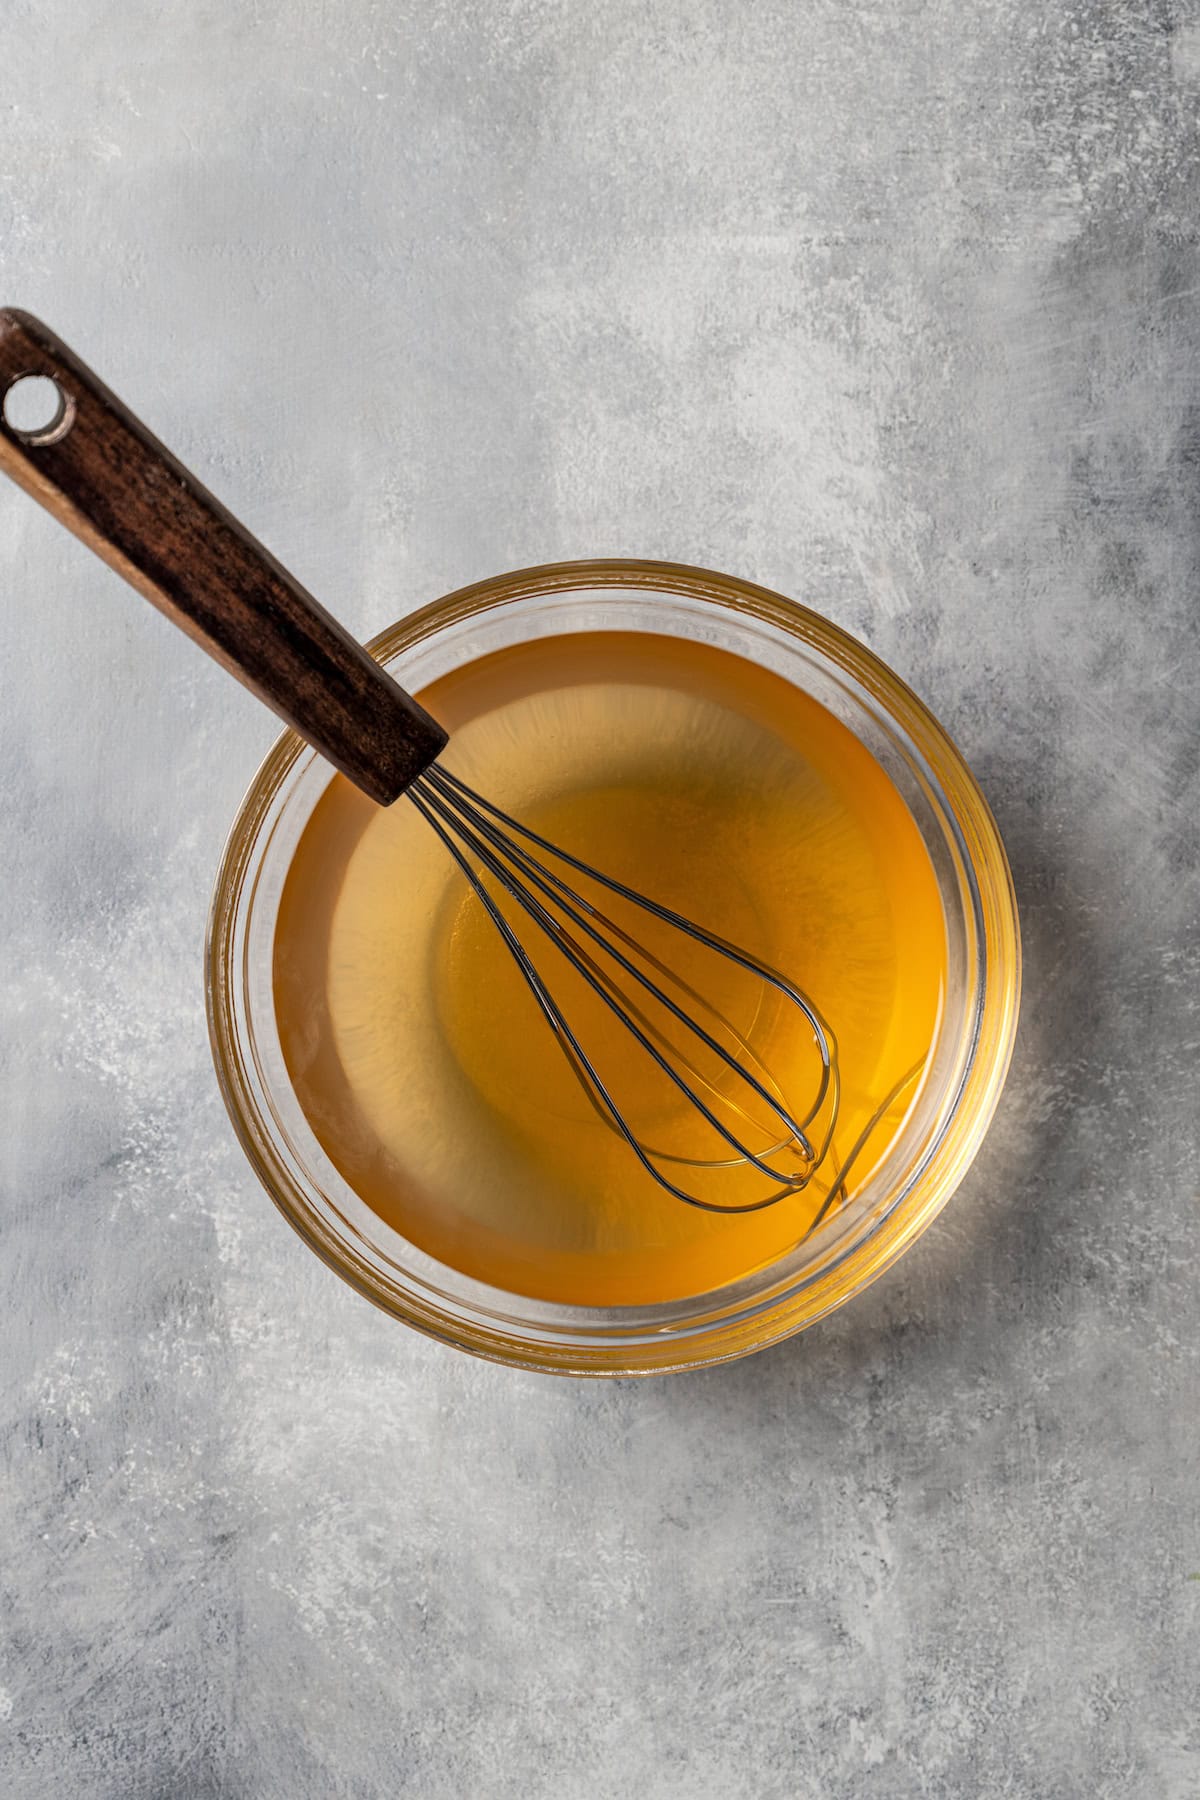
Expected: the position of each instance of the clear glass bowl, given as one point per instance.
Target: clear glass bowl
(926, 1160)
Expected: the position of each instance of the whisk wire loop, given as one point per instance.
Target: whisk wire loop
(472, 827)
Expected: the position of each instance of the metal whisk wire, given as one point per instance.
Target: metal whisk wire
(477, 832)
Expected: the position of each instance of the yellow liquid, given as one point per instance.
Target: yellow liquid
(420, 1058)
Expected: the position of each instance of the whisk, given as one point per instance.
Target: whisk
(94, 466)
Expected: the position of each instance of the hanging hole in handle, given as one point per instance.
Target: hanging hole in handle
(37, 411)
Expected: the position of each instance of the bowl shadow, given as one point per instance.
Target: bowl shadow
(1003, 1255)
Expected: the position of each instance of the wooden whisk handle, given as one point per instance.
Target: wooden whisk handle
(102, 474)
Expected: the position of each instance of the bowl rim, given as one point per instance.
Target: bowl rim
(947, 1159)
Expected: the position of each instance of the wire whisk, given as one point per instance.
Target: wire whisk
(751, 1125)
(97, 468)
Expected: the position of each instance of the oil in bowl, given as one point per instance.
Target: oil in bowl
(734, 756)
(417, 1050)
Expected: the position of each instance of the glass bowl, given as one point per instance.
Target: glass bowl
(925, 1161)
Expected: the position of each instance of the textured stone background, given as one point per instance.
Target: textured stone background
(895, 308)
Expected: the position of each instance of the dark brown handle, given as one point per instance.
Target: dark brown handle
(102, 474)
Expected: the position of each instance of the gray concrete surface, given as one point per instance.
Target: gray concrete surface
(893, 308)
